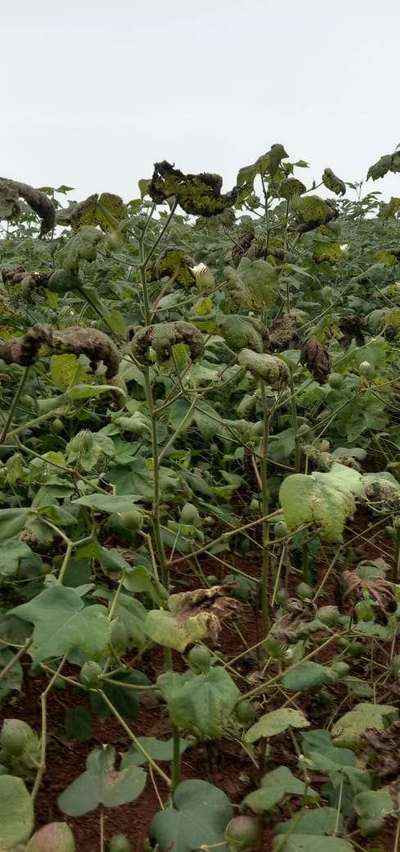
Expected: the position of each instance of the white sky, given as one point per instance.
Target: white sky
(95, 91)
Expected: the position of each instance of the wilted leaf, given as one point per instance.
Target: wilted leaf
(197, 194)
(316, 358)
(350, 728)
(332, 182)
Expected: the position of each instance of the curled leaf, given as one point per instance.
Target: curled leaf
(332, 182)
(11, 190)
(163, 336)
(316, 357)
(271, 369)
(197, 194)
(91, 342)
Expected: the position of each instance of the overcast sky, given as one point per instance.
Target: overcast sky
(95, 91)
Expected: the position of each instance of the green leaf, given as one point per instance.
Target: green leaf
(78, 392)
(109, 503)
(122, 696)
(339, 763)
(198, 818)
(140, 579)
(311, 211)
(11, 554)
(12, 522)
(80, 247)
(348, 730)
(78, 724)
(266, 165)
(66, 371)
(158, 750)
(102, 784)
(63, 623)
(373, 805)
(307, 675)
(13, 680)
(318, 821)
(310, 843)
(276, 722)
(275, 785)
(200, 704)
(16, 812)
(260, 279)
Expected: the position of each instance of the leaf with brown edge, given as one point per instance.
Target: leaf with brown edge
(213, 604)
(316, 357)
(383, 751)
(198, 194)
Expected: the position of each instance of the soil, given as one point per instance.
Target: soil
(224, 764)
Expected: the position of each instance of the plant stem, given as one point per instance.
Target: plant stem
(224, 537)
(263, 686)
(397, 558)
(160, 236)
(266, 562)
(43, 737)
(102, 847)
(14, 405)
(134, 739)
(293, 409)
(176, 761)
(64, 566)
(15, 659)
(157, 529)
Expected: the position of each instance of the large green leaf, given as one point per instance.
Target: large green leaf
(276, 722)
(314, 821)
(198, 819)
(307, 675)
(109, 503)
(16, 812)
(275, 786)
(159, 750)
(373, 805)
(310, 843)
(12, 522)
(102, 784)
(327, 499)
(200, 704)
(11, 554)
(63, 623)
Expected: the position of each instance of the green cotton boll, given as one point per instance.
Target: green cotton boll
(271, 369)
(240, 333)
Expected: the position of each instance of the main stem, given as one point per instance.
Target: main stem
(14, 405)
(266, 562)
(157, 528)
